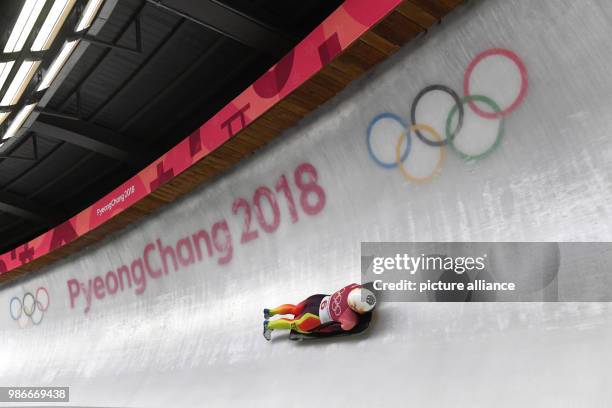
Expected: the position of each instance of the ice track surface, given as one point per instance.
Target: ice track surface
(192, 337)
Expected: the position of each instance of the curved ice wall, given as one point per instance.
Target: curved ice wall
(121, 329)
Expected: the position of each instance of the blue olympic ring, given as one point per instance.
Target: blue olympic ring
(393, 116)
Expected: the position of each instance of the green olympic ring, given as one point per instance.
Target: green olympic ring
(449, 132)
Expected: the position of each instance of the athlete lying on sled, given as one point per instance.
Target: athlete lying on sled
(347, 311)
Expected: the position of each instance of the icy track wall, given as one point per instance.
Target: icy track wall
(123, 328)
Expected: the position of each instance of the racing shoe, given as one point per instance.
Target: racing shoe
(267, 332)
(267, 314)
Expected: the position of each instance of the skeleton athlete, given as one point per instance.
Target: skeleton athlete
(347, 311)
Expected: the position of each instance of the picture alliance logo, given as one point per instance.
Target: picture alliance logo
(30, 308)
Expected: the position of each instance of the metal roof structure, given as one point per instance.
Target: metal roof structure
(150, 75)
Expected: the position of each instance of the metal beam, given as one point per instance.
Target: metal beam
(24, 208)
(218, 17)
(91, 137)
(137, 49)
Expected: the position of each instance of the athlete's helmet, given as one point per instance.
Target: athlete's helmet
(361, 300)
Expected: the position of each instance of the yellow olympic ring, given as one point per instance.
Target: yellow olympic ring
(398, 154)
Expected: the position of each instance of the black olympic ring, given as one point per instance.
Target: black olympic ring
(458, 103)
(29, 311)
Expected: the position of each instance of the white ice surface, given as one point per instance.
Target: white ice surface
(194, 337)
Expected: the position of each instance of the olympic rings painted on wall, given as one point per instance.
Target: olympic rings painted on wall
(28, 305)
(457, 111)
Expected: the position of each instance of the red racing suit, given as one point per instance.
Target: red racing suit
(335, 308)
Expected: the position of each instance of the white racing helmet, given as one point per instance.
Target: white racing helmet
(361, 300)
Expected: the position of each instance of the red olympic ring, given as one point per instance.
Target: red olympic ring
(48, 299)
(524, 82)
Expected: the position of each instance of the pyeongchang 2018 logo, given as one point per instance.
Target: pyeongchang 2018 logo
(472, 133)
(29, 309)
